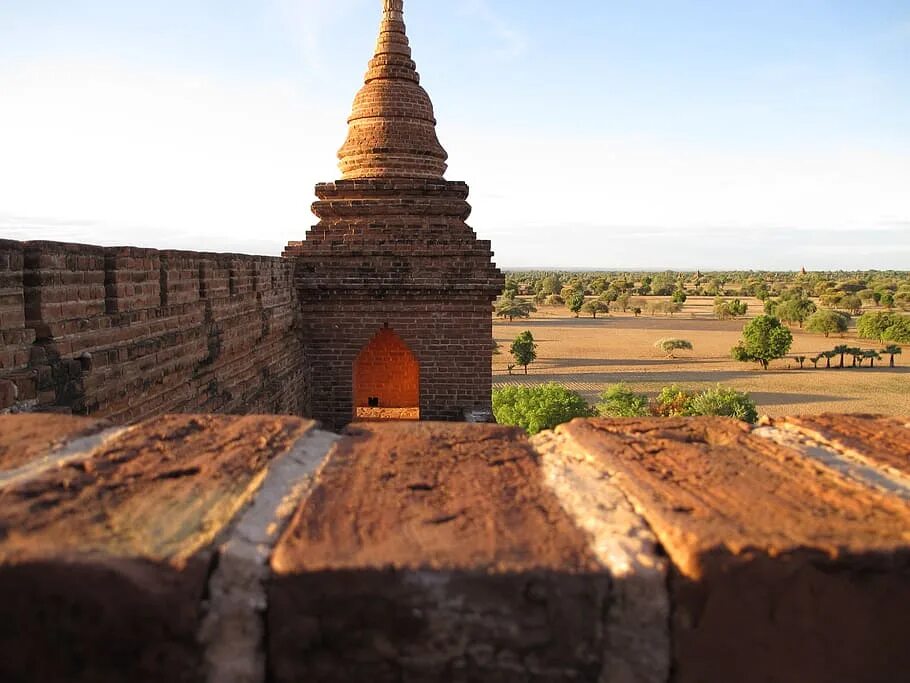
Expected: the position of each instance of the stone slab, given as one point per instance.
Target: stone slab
(104, 562)
(770, 552)
(431, 552)
(884, 441)
(637, 624)
(24, 438)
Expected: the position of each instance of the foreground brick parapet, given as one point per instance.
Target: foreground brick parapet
(247, 549)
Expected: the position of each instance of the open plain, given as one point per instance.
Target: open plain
(587, 355)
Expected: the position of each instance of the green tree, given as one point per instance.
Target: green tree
(858, 354)
(595, 307)
(537, 408)
(874, 325)
(624, 301)
(570, 290)
(550, 284)
(598, 285)
(899, 331)
(827, 322)
(869, 296)
(892, 350)
(679, 296)
(524, 350)
(668, 346)
(575, 301)
(828, 355)
(665, 307)
(612, 294)
(841, 350)
(852, 303)
(801, 360)
(512, 307)
(726, 309)
(764, 339)
(795, 310)
(620, 401)
(814, 360)
(872, 356)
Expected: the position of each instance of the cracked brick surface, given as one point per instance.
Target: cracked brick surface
(770, 552)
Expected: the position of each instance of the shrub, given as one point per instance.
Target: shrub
(723, 401)
(620, 401)
(537, 408)
(672, 401)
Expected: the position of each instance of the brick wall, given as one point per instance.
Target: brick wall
(449, 338)
(128, 333)
(397, 253)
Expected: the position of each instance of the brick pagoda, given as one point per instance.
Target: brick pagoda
(395, 288)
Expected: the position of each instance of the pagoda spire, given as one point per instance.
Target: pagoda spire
(392, 128)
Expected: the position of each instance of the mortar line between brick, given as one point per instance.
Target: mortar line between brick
(840, 461)
(77, 450)
(233, 629)
(637, 625)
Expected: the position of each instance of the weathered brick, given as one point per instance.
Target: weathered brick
(770, 553)
(104, 577)
(442, 543)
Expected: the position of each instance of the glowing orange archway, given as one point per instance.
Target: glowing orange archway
(386, 379)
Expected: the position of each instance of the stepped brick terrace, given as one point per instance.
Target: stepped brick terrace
(242, 469)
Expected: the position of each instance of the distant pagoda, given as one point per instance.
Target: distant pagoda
(396, 289)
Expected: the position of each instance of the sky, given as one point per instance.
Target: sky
(601, 134)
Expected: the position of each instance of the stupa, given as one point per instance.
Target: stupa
(396, 289)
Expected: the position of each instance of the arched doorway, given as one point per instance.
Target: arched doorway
(386, 380)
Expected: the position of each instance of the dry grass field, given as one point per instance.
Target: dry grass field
(588, 355)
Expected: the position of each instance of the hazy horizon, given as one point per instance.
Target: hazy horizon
(595, 136)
